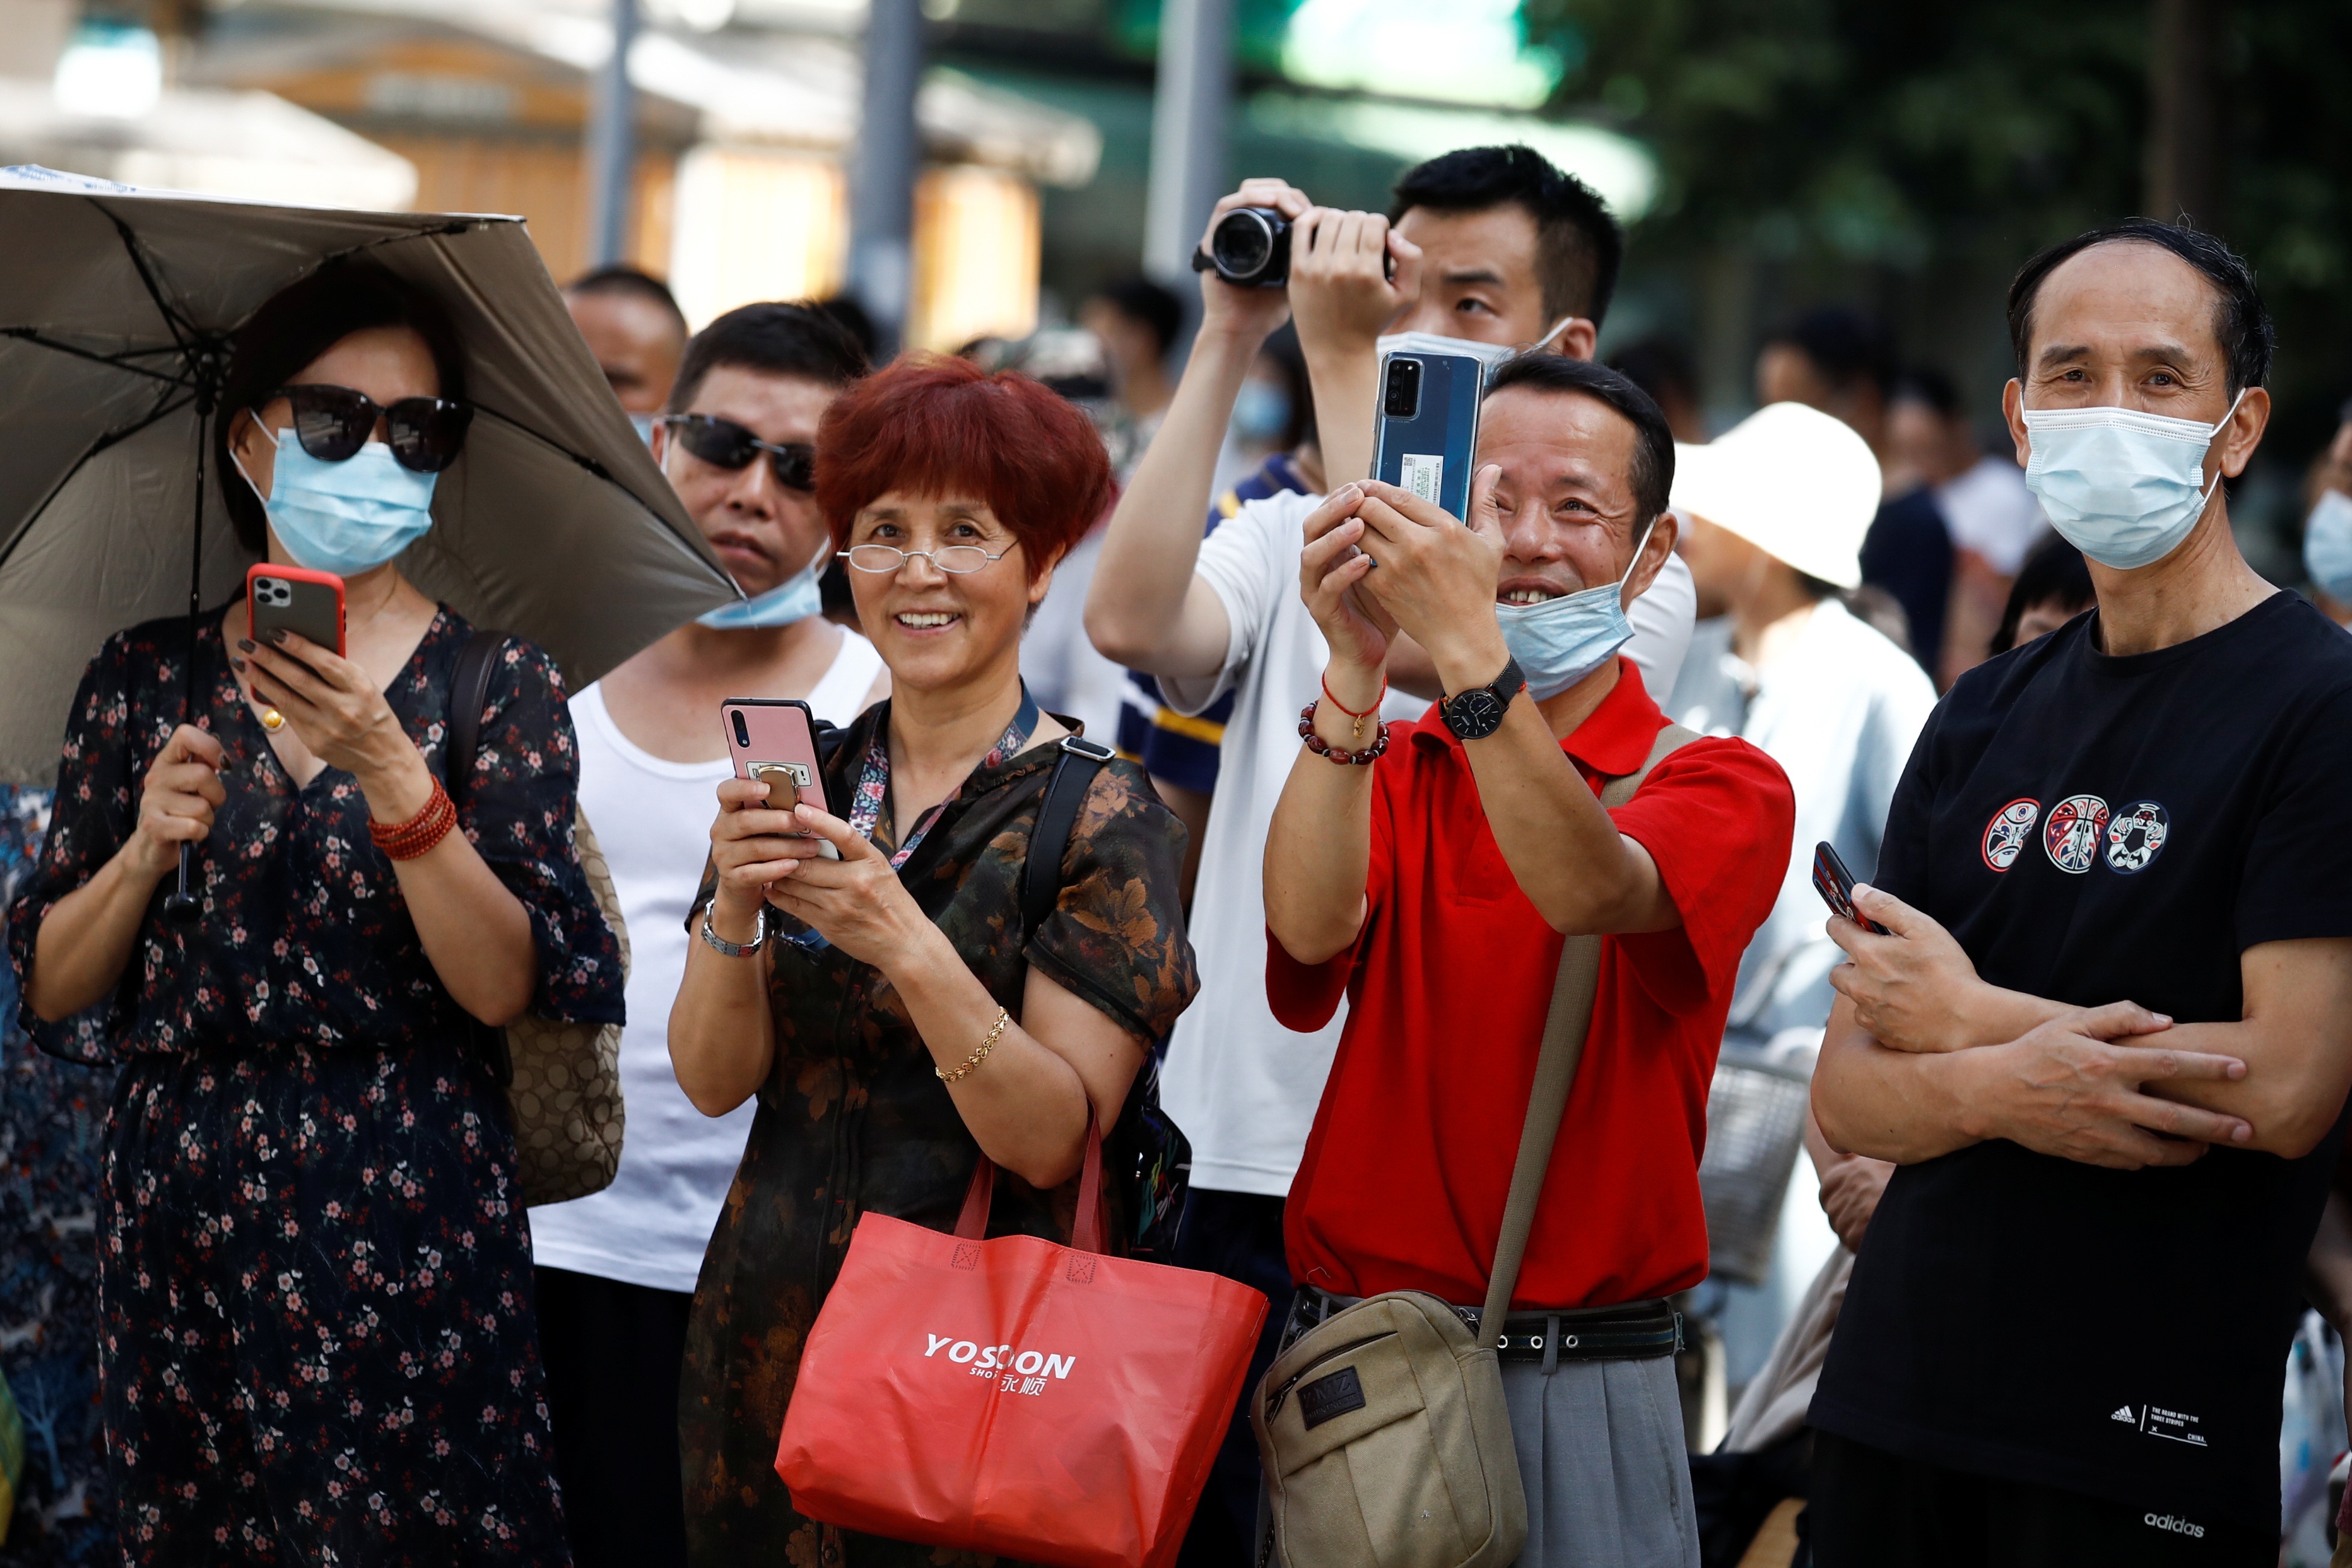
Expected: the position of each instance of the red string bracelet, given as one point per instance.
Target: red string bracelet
(418, 835)
(1355, 720)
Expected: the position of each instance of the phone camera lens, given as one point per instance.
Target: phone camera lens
(742, 730)
(1401, 399)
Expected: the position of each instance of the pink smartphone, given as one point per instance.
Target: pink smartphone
(774, 740)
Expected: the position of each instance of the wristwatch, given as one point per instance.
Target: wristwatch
(1475, 714)
(736, 949)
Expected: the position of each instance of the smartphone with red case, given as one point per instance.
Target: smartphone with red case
(296, 599)
(1834, 883)
(774, 740)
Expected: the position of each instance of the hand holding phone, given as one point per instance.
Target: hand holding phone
(1834, 883)
(774, 741)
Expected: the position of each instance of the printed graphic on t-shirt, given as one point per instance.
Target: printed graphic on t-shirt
(2072, 834)
(2136, 836)
(2005, 835)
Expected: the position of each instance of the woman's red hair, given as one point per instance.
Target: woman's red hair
(942, 427)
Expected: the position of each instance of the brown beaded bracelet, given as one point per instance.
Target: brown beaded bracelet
(1340, 755)
(418, 835)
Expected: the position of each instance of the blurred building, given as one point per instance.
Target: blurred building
(741, 137)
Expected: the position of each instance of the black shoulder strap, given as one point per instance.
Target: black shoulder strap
(469, 692)
(1066, 792)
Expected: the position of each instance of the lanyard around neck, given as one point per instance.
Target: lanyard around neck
(874, 777)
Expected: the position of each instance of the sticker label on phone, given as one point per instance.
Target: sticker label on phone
(1423, 472)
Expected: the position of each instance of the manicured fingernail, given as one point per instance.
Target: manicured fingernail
(277, 635)
(246, 644)
(237, 664)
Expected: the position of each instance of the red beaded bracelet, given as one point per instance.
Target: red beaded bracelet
(417, 835)
(1340, 755)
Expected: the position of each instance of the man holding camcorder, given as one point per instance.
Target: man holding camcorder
(1490, 247)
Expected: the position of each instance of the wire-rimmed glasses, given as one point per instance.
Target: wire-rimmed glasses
(955, 559)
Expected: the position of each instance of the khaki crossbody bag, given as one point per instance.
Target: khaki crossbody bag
(1383, 1430)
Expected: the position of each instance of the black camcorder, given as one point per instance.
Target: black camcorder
(1250, 247)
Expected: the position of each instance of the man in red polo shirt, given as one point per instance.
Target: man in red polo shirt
(1434, 888)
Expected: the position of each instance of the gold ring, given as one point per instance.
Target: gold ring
(272, 719)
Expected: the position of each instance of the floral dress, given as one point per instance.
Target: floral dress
(853, 1118)
(316, 1339)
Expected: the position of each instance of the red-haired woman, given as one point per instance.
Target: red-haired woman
(891, 1010)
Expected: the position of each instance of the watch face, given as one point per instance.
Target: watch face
(1475, 714)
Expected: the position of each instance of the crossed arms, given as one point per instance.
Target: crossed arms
(1923, 1057)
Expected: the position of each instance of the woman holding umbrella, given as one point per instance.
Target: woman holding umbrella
(317, 1342)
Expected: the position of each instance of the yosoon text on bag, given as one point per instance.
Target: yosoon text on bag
(1049, 1404)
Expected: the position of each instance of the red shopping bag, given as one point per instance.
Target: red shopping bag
(1044, 1402)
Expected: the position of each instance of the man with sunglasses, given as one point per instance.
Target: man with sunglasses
(617, 1271)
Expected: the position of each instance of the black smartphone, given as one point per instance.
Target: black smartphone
(1834, 883)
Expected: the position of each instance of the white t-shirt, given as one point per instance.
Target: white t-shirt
(1242, 1087)
(651, 818)
(1839, 710)
(1990, 511)
(1064, 673)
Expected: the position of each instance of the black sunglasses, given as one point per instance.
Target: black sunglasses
(723, 443)
(334, 422)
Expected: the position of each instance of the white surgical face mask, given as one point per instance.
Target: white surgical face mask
(2327, 545)
(1560, 641)
(2123, 487)
(1489, 355)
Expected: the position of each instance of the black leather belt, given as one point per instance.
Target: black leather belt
(1633, 1332)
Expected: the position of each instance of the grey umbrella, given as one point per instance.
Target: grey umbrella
(116, 304)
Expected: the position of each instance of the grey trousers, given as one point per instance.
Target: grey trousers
(1601, 1453)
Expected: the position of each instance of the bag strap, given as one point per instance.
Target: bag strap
(1086, 1231)
(469, 692)
(1565, 1028)
(1066, 793)
(1040, 889)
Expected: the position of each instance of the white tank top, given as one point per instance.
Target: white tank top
(652, 818)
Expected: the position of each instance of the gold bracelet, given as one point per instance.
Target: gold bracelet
(995, 1033)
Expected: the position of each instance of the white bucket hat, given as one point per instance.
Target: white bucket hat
(1794, 482)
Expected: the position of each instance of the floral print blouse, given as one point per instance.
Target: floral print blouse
(853, 1118)
(304, 934)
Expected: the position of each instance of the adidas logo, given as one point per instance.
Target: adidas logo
(2126, 1415)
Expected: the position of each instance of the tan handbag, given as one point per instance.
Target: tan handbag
(1383, 1430)
(563, 1080)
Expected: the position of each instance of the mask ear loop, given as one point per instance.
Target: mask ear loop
(239, 463)
(1627, 575)
(2206, 498)
(1554, 331)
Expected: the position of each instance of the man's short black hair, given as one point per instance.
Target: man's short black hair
(629, 282)
(1139, 299)
(771, 338)
(1579, 246)
(1654, 443)
(2053, 573)
(2242, 325)
(1844, 344)
(1929, 387)
(853, 319)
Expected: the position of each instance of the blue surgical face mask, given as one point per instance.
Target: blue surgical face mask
(1560, 641)
(1261, 412)
(643, 425)
(349, 517)
(2327, 545)
(796, 599)
(2123, 487)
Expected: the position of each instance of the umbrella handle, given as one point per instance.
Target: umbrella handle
(180, 905)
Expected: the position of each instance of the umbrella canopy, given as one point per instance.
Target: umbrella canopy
(115, 304)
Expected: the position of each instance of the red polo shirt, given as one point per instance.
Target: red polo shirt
(1405, 1173)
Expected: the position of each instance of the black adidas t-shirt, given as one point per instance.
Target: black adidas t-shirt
(2093, 829)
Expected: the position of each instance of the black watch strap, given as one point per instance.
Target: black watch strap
(1475, 714)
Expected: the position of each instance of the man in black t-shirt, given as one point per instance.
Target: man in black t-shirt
(2108, 1040)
